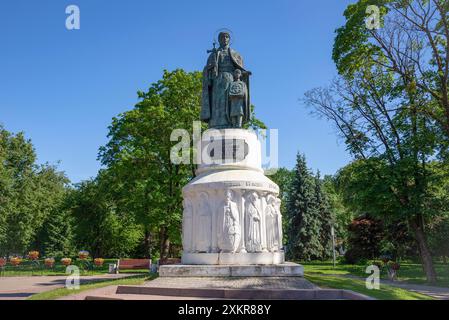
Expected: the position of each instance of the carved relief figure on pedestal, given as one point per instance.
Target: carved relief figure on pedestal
(279, 220)
(204, 224)
(253, 225)
(187, 226)
(230, 238)
(272, 225)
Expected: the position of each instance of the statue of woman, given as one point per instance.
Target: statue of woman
(230, 237)
(279, 222)
(204, 225)
(217, 77)
(253, 224)
(187, 226)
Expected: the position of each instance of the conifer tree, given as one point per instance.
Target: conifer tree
(304, 225)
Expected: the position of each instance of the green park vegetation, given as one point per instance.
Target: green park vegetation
(38, 268)
(409, 272)
(389, 105)
(133, 207)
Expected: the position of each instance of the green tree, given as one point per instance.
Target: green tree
(391, 142)
(29, 193)
(54, 237)
(365, 237)
(142, 177)
(303, 216)
(439, 237)
(99, 227)
(17, 160)
(411, 45)
(398, 241)
(6, 187)
(283, 178)
(325, 216)
(341, 213)
(411, 49)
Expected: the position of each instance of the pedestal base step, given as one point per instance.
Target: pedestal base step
(287, 269)
(246, 294)
(295, 288)
(266, 258)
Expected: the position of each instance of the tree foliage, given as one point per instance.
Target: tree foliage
(142, 177)
(326, 218)
(365, 237)
(283, 178)
(411, 47)
(303, 215)
(99, 227)
(29, 193)
(342, 215)
(380, 118)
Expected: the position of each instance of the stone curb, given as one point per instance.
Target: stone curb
(256, 294)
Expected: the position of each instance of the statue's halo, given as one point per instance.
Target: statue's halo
(217, 32)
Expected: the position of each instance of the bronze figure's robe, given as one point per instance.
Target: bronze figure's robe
(217, 77)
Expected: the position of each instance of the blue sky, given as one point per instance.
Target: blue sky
(63, 87)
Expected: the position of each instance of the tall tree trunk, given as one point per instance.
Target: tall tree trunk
(424, 252)
(164, 242)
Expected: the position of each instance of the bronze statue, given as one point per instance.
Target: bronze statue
(225, 98)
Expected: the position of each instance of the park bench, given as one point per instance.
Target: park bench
(127, 264)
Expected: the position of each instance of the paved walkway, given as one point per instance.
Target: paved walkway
(19, 288)
(109, 293)
(440, 293)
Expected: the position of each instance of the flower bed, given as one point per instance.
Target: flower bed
(66, 261)
(99, 262)
(49, 262)
(83, 255)
(15, 261)
(33, 255)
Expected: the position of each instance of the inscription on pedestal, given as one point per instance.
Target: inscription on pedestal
(234, 150)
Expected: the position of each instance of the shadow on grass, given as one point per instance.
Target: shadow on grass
(409, 272)
(384, 293)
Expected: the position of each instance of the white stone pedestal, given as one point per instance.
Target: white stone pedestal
(250, 270)
(262, 258)
(231, 209)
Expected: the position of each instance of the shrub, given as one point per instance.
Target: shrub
(365, 236)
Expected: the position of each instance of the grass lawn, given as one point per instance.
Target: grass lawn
(61, 292)
(385, 292)
(409, 272)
